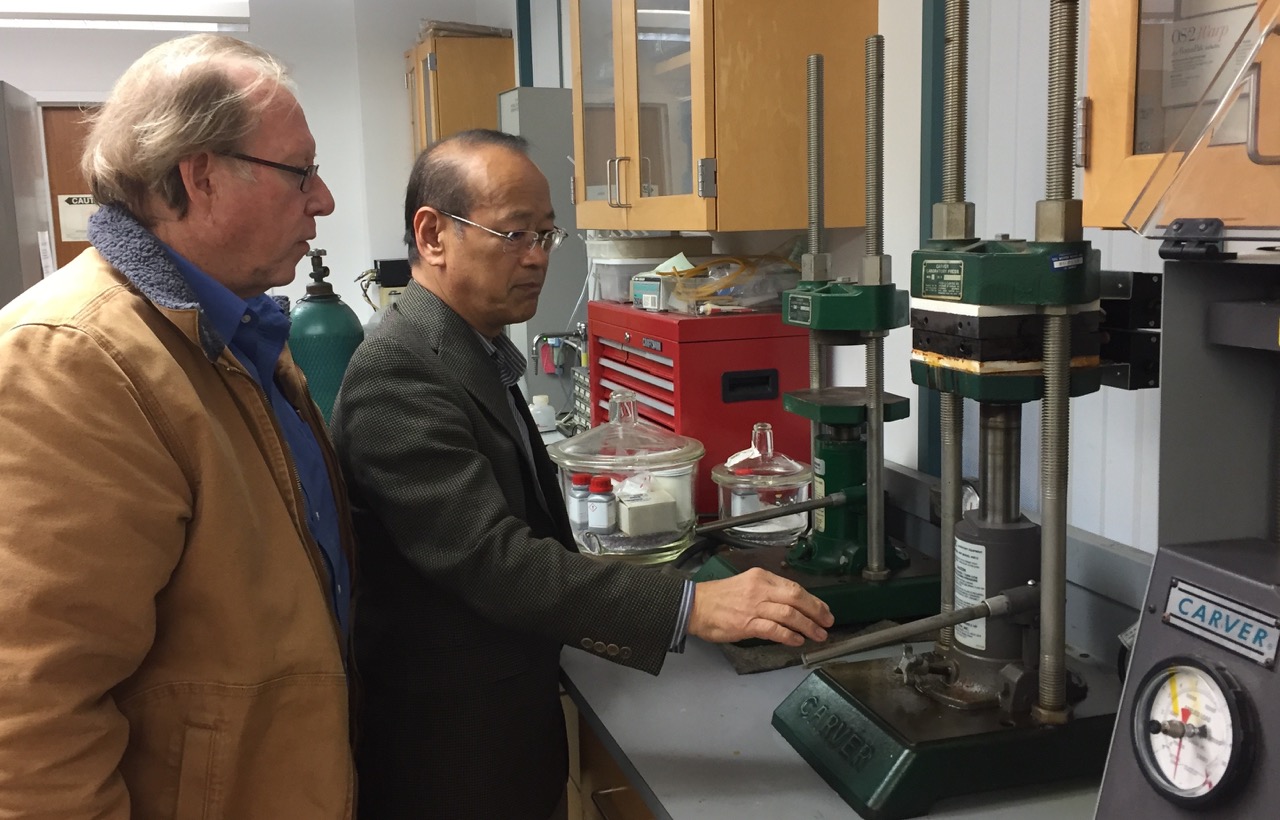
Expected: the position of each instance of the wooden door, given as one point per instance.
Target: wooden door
(65, 130)
(469, 74)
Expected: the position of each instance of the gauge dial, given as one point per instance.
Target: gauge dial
(1192, 731)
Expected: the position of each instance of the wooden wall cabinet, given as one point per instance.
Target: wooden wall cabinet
(691, 114)
(1144, 77)
(453, 83)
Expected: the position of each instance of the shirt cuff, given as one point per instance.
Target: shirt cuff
(682, 619)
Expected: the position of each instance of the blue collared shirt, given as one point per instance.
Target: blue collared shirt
(256, 331)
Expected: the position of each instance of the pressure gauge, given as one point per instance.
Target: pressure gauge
(1193, 731)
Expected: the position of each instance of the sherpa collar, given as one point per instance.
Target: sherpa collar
(140, 257)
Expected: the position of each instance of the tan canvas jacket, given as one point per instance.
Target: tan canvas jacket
(167, 646)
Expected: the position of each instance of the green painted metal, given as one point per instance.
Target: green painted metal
(323, 334)
(838, 542)
(524, 41)
(885, 776)
(1003, 388)
(1005, 273)
(933, 41)
(845, 306)
(802, 403)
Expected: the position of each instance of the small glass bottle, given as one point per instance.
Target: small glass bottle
(602, 506)
(577, 501)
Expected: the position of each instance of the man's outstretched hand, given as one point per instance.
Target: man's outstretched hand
(757, 604)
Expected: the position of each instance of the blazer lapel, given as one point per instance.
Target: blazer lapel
(456, 344)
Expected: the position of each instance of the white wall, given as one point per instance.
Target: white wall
(347, 59)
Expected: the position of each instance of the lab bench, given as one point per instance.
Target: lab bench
(696, 742)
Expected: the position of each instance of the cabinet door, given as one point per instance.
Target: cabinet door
(469, 74)
(418, 79)
(597, 114)
(1149, 63)
(668, 110)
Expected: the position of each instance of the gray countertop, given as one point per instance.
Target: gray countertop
(697, 743)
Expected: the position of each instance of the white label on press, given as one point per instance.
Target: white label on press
(1234, 626)
(819, 467)
(819, 490)
(971, 588)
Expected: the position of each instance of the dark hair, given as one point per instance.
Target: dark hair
(441, 180)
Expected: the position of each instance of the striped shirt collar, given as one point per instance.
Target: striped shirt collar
(510, 361)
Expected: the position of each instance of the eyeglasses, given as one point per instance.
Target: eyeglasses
(307, 174)
(519, 242)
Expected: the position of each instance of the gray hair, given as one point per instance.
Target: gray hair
(204, 92)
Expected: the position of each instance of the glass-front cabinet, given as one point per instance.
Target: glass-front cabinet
(1180, 121)
(690, 114)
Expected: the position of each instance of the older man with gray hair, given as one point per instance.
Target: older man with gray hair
(174, 536)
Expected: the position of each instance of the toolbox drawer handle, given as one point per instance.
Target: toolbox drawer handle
(749, 385)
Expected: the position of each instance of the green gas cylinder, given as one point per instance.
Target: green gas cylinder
(324, 334)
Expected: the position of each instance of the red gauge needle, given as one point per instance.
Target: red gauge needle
(1186, 713)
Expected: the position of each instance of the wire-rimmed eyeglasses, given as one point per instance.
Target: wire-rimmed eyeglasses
(519, 242)
(308, 173)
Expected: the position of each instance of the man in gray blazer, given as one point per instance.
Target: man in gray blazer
(469, 580)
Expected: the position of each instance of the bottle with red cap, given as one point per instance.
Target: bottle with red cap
(579, 489)
(602, 506)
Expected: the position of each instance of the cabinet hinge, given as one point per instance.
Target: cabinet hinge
(1084, 108)
(707, 177)
(573, 190)
(431, 61)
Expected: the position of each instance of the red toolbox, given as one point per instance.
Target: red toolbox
(707, 377)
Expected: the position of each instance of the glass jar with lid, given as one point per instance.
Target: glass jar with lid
(757, 478)
(646, 513)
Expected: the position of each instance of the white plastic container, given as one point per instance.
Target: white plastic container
(544, 415)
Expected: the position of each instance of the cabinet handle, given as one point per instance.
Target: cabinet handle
(608, 179)
(617, 173)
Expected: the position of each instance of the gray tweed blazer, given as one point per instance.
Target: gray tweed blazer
(467, 587)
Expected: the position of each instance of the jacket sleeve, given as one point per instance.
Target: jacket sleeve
(92, 519)
(407, 435)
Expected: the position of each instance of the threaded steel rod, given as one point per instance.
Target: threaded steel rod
(875, 569)
(952, 424)
(1054, 436)
(955, 88)
(818, 375)
(1059, 162)
(875, 146)
(817, 220)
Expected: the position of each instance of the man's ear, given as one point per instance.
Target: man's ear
(197, 178)
(428, 226)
